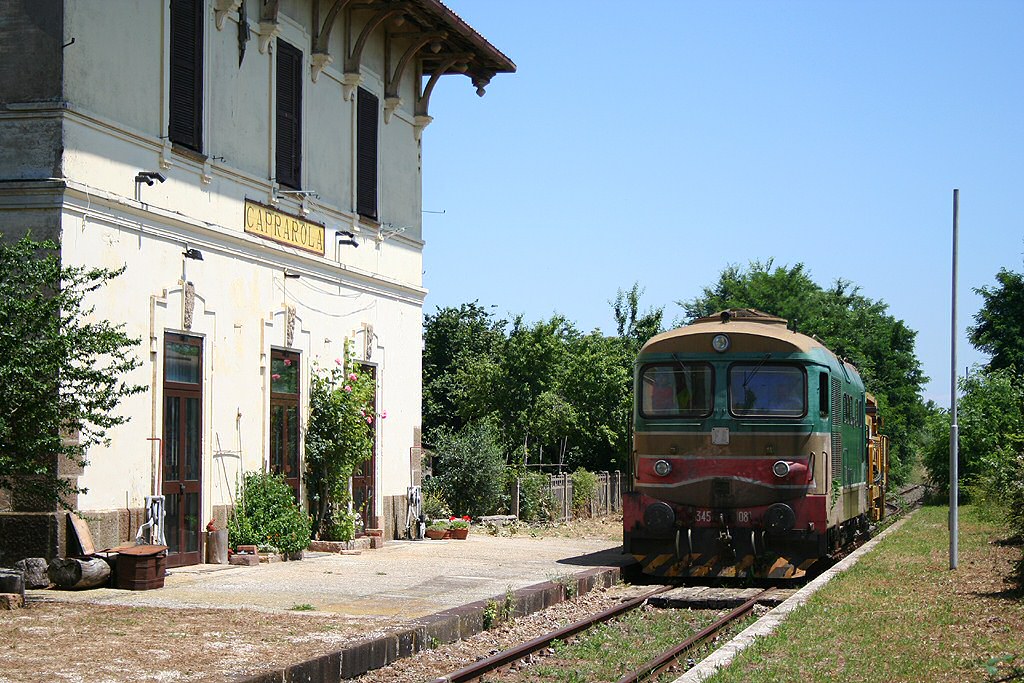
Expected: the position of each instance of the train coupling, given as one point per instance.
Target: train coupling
(727, 550)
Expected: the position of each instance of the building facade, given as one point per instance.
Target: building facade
(255, 166)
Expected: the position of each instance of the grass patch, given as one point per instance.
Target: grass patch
(900, 614)
(303, 607)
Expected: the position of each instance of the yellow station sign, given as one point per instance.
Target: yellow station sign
(271, 224)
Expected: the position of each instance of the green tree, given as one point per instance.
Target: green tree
(556, 394)
(599, 378)
(61, 369)
(454, 338)
(850, 324)
(786, 292)
(470, 469)
(999, 325)
(631, 325)
(990, 419)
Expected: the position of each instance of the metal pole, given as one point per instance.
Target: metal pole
(954, 429)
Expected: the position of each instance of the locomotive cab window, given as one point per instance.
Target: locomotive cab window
(676, 390)
(767, 390)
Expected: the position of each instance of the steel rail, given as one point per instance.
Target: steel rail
(666, 658)
(478, 669)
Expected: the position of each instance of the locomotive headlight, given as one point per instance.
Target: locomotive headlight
(781, 469)
(662, 468)
(720, 343)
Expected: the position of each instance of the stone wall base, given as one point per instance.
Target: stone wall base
(48, 534)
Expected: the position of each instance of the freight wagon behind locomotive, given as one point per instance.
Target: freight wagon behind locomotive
(756, 451)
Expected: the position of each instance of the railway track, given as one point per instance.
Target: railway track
(652, 667)
(910, 496)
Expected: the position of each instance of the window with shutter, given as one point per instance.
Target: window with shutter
(185, 116)
(366, 154)
(289, 115)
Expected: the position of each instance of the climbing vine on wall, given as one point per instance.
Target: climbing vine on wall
(339, 437)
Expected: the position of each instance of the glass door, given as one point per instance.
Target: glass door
(284, 417)
(183, 448)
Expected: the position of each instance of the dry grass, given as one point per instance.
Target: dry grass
(88, 642)
(901, 615)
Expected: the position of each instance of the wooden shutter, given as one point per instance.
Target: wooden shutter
(185, 120)
(366, 154)
(289, 115)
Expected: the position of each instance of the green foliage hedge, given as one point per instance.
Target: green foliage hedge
(584, 484)
(267, 515)
(470, 470)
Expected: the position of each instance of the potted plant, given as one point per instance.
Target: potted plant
(438, 529)
(459, 527)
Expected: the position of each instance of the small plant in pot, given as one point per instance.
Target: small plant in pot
(459, 527)
(438, 529)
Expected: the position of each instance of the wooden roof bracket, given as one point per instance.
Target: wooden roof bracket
(221, 10)
(269, 28)
(351, 78)
(458, 63)
(481, 79)
(391, 97)
(320, 58)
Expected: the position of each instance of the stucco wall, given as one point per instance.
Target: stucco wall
(80, 120)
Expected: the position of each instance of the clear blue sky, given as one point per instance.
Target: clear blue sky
(661, 141)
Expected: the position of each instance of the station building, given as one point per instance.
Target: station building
(256, 166)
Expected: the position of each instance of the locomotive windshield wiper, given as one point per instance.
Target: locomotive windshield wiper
(747, 378)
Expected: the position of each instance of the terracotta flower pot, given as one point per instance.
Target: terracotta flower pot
(435, 534)
(460, 533)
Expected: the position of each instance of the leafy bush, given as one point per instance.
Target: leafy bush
(434, 504)
(536, 504)
(267, 515)
(470, 469)
(584, 484)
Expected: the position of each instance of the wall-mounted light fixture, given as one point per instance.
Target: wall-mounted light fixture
(300, 193)
(149, 177)
(193, 254)
(346, 238)
(387, 231)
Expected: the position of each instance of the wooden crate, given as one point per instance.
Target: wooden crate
(141, 568)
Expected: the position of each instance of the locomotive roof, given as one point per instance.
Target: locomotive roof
(738, 321)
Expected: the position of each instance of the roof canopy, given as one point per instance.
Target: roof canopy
(433, 37)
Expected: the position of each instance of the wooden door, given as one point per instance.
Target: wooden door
(183, 448)
(284, 417)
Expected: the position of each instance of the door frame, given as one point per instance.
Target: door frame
(176, 487)
(287, 400)
(369, 480)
